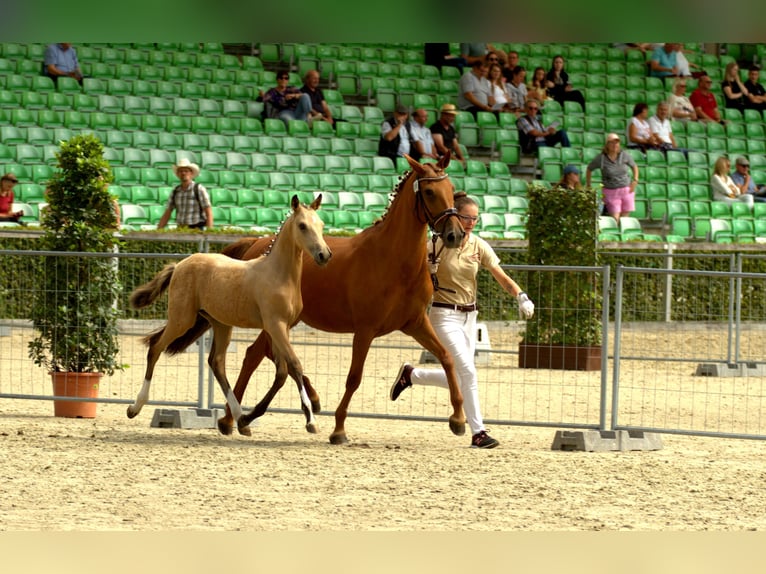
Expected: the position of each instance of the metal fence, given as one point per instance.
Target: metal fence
(661, 373)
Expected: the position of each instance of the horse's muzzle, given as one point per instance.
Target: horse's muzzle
(453, 233)
(322, 257)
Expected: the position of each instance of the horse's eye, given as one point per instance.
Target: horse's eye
(302, 227)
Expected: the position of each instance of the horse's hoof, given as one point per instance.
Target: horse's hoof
(225, 428)
(244, 431)
(338, 438)
(316, 407)
(312, 428)
(457, 427)
(131, 414)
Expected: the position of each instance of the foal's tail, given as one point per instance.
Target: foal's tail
(147, 294)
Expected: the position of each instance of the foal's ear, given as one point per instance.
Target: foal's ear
(415, 165)
(444, 160)
(295, 202)
(317, 202)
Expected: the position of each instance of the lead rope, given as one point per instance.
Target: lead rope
(433, 265)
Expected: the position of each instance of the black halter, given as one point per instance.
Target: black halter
(432, 220)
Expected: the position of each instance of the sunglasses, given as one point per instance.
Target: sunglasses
(13, 180)
(532, 108)
(283, 78)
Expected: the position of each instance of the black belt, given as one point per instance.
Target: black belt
(463, 308)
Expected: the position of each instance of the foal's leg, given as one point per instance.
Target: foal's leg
(263, 404)
(152, 355)
(217, 362)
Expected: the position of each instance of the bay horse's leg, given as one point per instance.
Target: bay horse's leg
(424, 334)
(217, 362)
(361, 347)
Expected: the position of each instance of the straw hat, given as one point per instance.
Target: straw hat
(184, 162)
(448, 109)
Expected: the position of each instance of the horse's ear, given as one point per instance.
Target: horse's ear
(415, 165)
(444, 160)
(317, 202)
(295, 202)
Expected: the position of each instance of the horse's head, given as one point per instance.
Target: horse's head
(435, 195)
(307, 229)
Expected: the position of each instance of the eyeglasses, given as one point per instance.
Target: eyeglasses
(283, 78)
(532, 108)
(492, 59)
(12, 180)
(468, 218)
(745, 165)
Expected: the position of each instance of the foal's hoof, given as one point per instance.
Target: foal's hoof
(457, 426)
(131, 414)
(224, 427)
(312, 428)
(338, 438)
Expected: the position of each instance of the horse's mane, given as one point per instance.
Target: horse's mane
(398, 186)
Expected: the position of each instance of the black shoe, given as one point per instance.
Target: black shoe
(402, 381)
(483, 440)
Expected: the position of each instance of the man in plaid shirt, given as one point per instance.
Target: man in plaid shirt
(190, 200)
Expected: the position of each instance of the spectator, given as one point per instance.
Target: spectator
(703, 100)
(742, 179)
(190, 200)
(439, 55)
(517, 90)
(422, 144)
(559, 88)
(681, 107)
(286, 102)
(663, 63)
(473, 52)
(394, 135)
(619, 189)
(511, 61)
(661, 129)
(444, 134)
(640, 134)
(756, 95)
(475, 89)
(319, 108)
(570, 178)
(734, 92)
(536, 88)
(532, 133)
(499, 94)
(453, 315)
(61, 60)
(683, 65)
(6, 199)
(724, 188)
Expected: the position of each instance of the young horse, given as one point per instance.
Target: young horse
(223, 292)
(379, 282)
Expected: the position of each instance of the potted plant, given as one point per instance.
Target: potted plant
(566, 330)
(73, 308)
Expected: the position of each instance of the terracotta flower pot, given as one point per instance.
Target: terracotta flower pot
(81, 385)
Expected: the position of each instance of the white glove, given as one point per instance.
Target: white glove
(526, 307)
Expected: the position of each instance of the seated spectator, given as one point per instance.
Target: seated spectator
(681, 107)
(422, 144)
(559, 88)
(517, 90)
(662, 63)
(6, 199)
(319, 108)
(394, 135)
(286, 102)
(533, 134)
(61, 60)
(756, 95)
(703, 100)
(444, 134)
(734, 91)
(475, 89)
(511, 61)
(683, 65)
(619, 189)
(499, 97)
(640, 134)
(536, 88)
(473, 52)
(742, 179)
(643, 47)
(724, 188)
(439, 55)
(659, 124)
(570, 178)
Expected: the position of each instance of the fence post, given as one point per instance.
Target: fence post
(604, 344)
(617, 335)
(669, 284)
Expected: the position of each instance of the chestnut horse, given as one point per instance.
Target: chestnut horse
(378, 282)
(263, 292)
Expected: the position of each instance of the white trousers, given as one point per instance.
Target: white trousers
(457, 332)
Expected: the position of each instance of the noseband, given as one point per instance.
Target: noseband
(432, 220)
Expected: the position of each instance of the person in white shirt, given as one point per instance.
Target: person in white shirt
(724, 188)
(681, 107)
(422, 140)
(659, 124)
(475, 89)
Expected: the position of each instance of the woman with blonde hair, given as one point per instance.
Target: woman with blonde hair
(724, 188)
(734, 91)
(681, 107)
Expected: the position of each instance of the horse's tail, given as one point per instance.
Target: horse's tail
(238, 249)
(147, 294)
